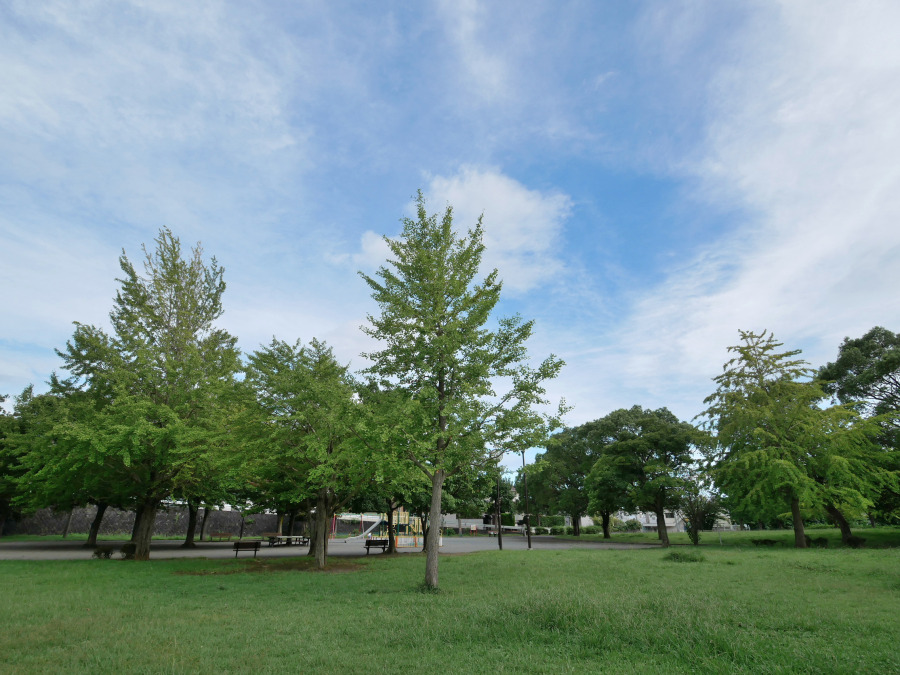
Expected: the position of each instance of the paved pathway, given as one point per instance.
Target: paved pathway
(74, 550)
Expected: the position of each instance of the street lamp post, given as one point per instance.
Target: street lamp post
(525, 485)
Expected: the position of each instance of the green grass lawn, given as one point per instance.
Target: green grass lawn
(878, 537)
(815, 611)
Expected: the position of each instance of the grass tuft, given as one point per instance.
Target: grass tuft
(684, 556)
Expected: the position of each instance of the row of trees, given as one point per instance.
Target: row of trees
(165, 406)
(768, 448)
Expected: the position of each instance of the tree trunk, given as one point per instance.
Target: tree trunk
(392, 539)
(313, 535)
(499, 518)
(137, 521)
(68, 523)
(605, 517)
(292, 520)
(322, 529)
(193, 507)
(95, 525)
(576, 524)
(203, 522)
(432, 538)
(661, 530)
(840, 521)
(143, 529)
(280, 524)
(799, 534)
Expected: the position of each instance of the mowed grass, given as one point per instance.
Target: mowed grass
(878, 537)
(734, 610)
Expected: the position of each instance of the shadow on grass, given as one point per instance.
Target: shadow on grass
(265, 566)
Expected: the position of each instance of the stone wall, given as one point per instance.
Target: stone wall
(171, 521)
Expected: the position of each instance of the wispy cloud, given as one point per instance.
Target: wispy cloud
(803, 136)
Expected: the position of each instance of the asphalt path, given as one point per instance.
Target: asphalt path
(163, 549)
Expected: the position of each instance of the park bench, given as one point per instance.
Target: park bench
(246, 546)
(376, 543)
(221, 536)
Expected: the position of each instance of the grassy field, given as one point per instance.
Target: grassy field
(879, 537)
(737, 610)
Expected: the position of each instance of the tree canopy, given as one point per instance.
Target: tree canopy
(439, 348)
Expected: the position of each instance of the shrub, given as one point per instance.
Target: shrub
(507, 519)
(128, 551)
(631, 525)
(855, 542)
(684, 556)
(553, 521)
(592, 529)
(560, 530)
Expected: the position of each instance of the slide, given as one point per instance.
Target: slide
(363, 535)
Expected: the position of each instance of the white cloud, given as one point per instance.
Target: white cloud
(804, 139)
(522, 227)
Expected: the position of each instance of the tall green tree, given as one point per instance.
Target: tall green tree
(647, 455)
(302, 437)
(470, 391)
(866, 375)
(556, 481)
(771, 442)
(10, 466)
(159, 375)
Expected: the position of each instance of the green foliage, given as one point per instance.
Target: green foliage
(866, 375)
(154, 385)
(446, 365)
(773, 449)
(700, 509)
(645, 456)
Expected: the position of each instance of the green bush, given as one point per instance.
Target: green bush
(507, 519)
(553, 521)
(592, 529)
(560, 530)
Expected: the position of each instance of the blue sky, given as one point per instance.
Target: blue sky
(653, 176)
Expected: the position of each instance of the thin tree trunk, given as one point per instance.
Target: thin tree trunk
(312, 534)
(799, 534)
(840, 521)
(432, 538)
(576, 524)
(499, 518)
(144, 529)
(605, 517)
(392, 539)
(292, 519)
(280, 523)
(68, 524)
(193, 507)
(661, 530)
(203, 522)
(95, 525)
(322, 529)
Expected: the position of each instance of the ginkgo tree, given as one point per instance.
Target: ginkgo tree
(156, 378)
(470, 391)
(771, 442)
